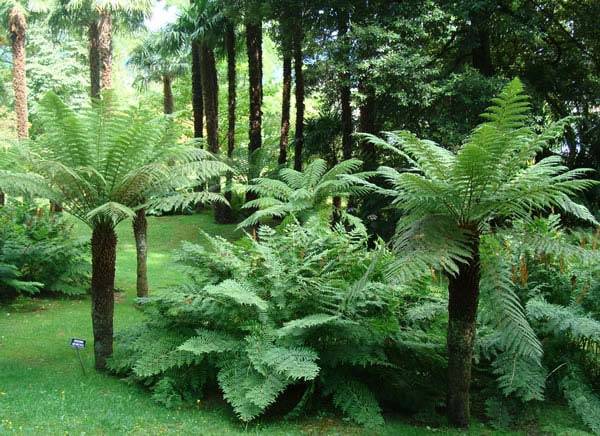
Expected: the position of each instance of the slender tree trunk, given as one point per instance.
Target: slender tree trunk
(463, 291)
(367, 119)
(285, 108)
(197, 102)
(104, 247)
(17, 25)
(298, 61)
(254, 48)
(168, 103)
(140, 226)
(231, 103)
(2, 199)
(105, 48)
(211, 107)
(345, 95)
(481, 52)
(94, 59)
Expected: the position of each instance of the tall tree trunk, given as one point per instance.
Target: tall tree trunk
(481, 52)
(140, 227)
(210, 88)
(285, 108)
(231, 103)
(168, 104)
(104, 249)
(197, 102)
(94, 58)
(254, 49)
(298, 61)
(105, 48)
(345, 93)
(367, 119)
(17, 25)
(463, 292)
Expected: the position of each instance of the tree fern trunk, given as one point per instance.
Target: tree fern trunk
(17, 26)
(168, 104)
(298, 61)
(94, 59)
(463, 292)
(105, 49)
(285, 108)
(140, 226)
(104, 246)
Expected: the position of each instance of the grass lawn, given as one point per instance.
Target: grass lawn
(43, 390)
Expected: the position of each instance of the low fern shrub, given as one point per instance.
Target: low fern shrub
(41, 248)
(305, 314)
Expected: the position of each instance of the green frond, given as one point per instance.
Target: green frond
(357, 402)
(208, 341)
(230, 290)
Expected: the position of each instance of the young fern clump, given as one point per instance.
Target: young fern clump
(449, 200)
(102, 164)
(302, 194)
(301, 314)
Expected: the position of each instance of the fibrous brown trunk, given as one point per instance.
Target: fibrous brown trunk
(227, 215)
(104, 248)
(210, 88)
(285, 108)
(298, 61)
(17, 26)
(2, 199)
(168, 104)
(94, 59)
(105, 48)
(463, 293)
(231, 88)
(254, 49)
(140, 226)
(197, 102)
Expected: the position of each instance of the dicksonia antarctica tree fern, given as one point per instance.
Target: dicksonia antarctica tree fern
(448, 201)
(102, 163)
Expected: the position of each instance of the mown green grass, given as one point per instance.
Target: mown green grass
(43, 390)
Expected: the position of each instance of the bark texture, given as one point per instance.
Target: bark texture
(463, 292)
(285, 109)
(254, 49)
(17, 25)
(105, 49)
(168, 103)
(104, 247)
(228, 215)
(94, 58)
(197, 99)
(299, 76)
(140, 227)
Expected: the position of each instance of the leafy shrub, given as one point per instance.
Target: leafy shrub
(302, 315)
(42, 249)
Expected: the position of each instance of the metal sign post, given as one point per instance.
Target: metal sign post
(79, 344)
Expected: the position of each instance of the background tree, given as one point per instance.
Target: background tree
(449, 200)
(156, 60)
(98, 19)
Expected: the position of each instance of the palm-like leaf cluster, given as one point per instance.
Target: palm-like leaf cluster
(445, 197)
(101, 162)
(302, 193)
(155, 58)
